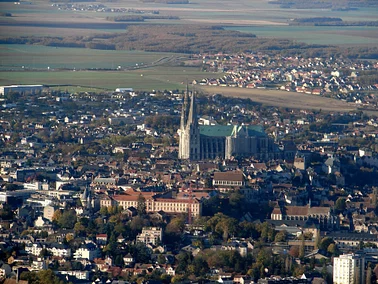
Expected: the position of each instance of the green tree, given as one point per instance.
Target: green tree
(340, 204)
(161, 259)
(280, 236)
(104, 211)
(332, 250)
(317, 239)
(141, 206)
(325, 242)
(68, 219)
(302, 247)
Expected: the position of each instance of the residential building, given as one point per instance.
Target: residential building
(87, 251)
(349, 269)
(150, 235)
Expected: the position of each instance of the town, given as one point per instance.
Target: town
(339, 78)
(177, 186)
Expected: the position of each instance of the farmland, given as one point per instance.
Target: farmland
(19, 57)
(159, 78)
(282, 98)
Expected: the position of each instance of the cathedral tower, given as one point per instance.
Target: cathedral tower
(189, 144)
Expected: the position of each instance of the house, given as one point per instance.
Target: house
(225, 278)
(228, 179)
(5, 271)
(128, 259)
(79, 275)
(242, 279)
(101, 239)
(48, 212)
(150, 235)
(237, 246)
(41, 222)
(88, 251)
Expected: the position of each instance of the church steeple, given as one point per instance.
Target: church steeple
(192, 119)
(184, 110)
(189, 146)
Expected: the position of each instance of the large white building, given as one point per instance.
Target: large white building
(349, 269)
(4, 90)
(87, 251)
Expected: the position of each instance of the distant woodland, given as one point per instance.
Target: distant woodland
(325, 4)
(167, 1)
(140, 18)
(326, 21)
(193, 39)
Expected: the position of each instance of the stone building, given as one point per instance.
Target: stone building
(201, 142)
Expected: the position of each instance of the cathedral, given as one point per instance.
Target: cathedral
(201, 142)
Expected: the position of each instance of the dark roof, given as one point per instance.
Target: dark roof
(228, 130)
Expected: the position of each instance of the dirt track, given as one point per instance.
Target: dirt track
(282, 98)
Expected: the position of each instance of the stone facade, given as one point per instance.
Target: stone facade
(201, 142)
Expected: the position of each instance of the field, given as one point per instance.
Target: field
(345, 35)
(282, 98)
(14, 56)
(253, 16)
(156, 78)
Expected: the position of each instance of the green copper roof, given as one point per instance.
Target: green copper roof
(228, 130)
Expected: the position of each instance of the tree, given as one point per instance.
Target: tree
(161, 259)
(67, 220)
(340, 204)
(302, 247)
(317, 239)
(280, 236)
(6, 212)
(369, 274)
(141, 206)
(104, 210)
(325, 243)
(332, 249)
(294, 251)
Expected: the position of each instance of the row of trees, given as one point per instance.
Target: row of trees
(157, 38)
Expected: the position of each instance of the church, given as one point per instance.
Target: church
(201, 142)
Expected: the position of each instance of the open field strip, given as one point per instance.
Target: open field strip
(282, 98)
(156, 78)
(14, 56)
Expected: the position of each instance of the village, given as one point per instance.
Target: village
(338, 78)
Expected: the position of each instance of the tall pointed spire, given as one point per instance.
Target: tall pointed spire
(184, 110)
(192, 119)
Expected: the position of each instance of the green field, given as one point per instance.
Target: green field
(157, 78)
(14, 56)
(316, 34)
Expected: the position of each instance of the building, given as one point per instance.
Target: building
(5, 90)
(154, 202)
(87, 251)
(228, 179)
(349, 269)
(150, 235)
(322, 215)
(201, 142)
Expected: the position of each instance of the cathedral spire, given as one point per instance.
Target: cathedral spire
(192, 119)
(184, 110)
